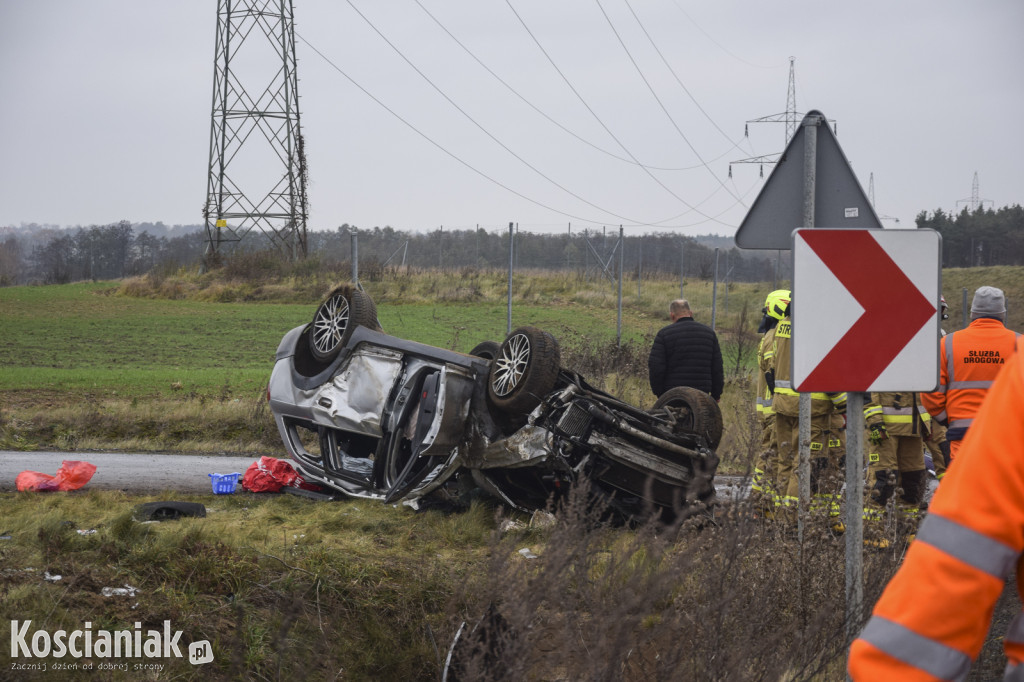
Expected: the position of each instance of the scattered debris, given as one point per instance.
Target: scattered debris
(71, 475)
(126, 591)
(52, 577)
(542, 519)
(525, 551)
(168, 511)
(91, 531)
(510, 525)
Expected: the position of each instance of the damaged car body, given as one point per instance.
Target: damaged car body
(375, 416)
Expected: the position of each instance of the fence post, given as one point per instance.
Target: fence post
(714, 292)
(618, 322)
(511, 253)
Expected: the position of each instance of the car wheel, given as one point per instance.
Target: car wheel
(524, 370)
(344, 309)
(695, 412)
(488, 350)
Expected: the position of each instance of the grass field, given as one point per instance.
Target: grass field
(112, 365)
(286, 588)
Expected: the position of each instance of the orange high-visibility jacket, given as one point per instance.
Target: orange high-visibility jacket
(931, 621)
(969, 361)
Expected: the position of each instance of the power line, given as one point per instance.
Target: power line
(660, 103)
(491, 135)
(597, 118)
(533, 106)
(480, 172)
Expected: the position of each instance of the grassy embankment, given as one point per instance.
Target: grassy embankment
(181, 364)
(286, 588)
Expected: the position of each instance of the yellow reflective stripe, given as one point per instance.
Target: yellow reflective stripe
(897, 419)
(820, 396)
(834, 442)
(872, 411)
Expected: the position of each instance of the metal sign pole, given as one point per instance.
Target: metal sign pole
(804, 465)
(854, 513)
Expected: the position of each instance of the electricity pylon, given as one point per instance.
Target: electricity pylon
(257, 167)
(974, 201)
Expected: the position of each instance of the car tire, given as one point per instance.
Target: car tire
(488, 350)
(524, 370)
(695, 412)
(342, 310)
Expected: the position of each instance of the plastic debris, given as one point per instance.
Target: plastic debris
(91, 531)
(525, 551)
(52, 577)
(71, 475)
(126, 591)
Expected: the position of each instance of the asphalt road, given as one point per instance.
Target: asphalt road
(133, 472)
(147, 472)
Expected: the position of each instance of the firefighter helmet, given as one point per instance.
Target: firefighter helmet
(777, 303)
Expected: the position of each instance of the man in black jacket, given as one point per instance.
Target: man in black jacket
(686, 353)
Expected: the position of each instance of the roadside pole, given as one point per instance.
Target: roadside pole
(511, 252)
(804, 466)
(714, 292)
(854, 514)
(354, 238)
(622, 263)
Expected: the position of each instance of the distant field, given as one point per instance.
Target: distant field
(86, 337)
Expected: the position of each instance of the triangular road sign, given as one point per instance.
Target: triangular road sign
(839, 200)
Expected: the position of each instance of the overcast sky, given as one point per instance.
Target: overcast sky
(607, 112)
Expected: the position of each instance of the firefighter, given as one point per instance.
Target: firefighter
(933, 617)
(896, 426)
(827, 413)
(765, 481)
(969, 361)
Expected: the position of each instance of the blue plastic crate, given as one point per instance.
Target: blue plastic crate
(224, 484)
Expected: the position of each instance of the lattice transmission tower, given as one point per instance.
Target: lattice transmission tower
(975, 201)
(257, 168)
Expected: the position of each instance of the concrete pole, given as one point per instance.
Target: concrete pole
(804, 466)
(511, 256)
(963, 307)
(714, 292)
(682, 266)
(622, 262)
(354, 239)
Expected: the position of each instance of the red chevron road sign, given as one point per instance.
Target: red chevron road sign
(866, 309)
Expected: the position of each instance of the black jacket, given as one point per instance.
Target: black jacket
(686, 353)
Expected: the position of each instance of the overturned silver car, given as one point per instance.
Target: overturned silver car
(379, 417)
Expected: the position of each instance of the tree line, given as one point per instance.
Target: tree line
(53, 255)
(979, 237)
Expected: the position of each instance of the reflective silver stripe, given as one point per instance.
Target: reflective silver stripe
(1015, 633)
(905, 645)
(941, 388)
(783, 384)
(941, 416)
(898, 410)
(971, 384)
(960, 423)
(948, 341)
(969, 546)
(1013, 673)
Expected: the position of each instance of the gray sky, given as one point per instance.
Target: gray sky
(107, 104)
